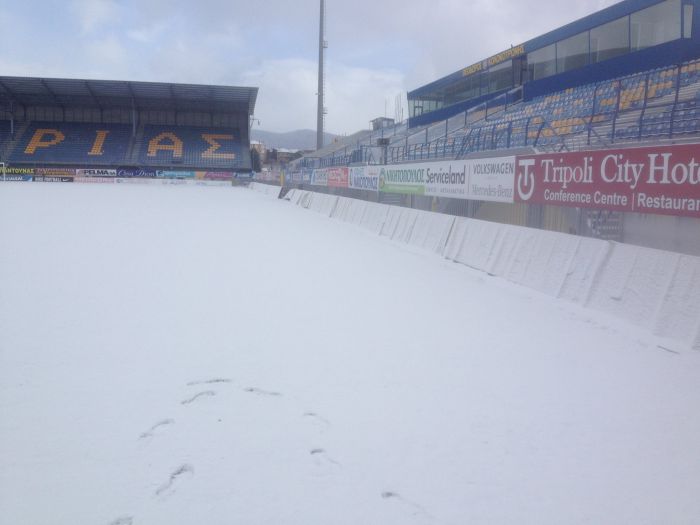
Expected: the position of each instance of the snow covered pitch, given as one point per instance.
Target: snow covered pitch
(180, 355)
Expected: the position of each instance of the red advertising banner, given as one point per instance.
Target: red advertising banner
(661, 180)
(338, 177)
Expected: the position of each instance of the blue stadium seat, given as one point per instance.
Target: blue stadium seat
(192, 147)
(73, 143)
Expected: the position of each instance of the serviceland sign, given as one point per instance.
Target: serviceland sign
(473, 179)
(659, 180)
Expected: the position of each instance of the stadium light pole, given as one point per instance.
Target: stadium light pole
(322, 46)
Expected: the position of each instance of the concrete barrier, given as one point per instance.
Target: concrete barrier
(431, 231)
(679, 311)
(654, 289)
(632, 282)
(374, 216)
(323, 204)
(266, 189)
(399, 223)
(342, 209)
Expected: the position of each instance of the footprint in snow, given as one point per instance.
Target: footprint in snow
(124, 520)
(168, 487)
(313, 416)
(215, 381)
(417, 509)
(260, 392)
(150, 432)
(206, 393)
(325, 464)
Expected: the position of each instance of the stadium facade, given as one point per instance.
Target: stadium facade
(591, 129)
(69, 129)
(626, 38)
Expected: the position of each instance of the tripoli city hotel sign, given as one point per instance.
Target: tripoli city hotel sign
(659, 180)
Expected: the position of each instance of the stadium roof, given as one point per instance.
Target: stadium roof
(103, 94)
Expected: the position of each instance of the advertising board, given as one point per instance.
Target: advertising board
(337, 177)
(658, 180)
(95, 180)
(166, 174)
(16, 178)
(127, 173)
(364, 178)
(13, 170)
(474, 179)
(96, 173)
(46, 178)
(56, 172)
(319, 177)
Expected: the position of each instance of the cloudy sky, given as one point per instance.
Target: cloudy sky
(378, 49)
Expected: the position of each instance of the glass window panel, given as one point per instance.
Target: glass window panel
(501, 76)
(572, 53)
(467, 88)
(542, 63)
(656, 25)
(610, 40)
(688, 21)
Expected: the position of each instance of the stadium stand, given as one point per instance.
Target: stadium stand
(192, 146)
(96, 123)
(628, 74)
(662, 103)
(72, 143)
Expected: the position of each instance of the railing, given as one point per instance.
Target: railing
(487, 127)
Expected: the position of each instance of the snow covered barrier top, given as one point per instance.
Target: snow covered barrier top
(431, 231)
(266, 189)
(650, 288)
(399, 223)
(323, 203)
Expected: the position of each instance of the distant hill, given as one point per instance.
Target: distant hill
(302, 139)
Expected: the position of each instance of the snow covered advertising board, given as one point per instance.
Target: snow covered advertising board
(337, 177)
(659, 180)
(483, 179)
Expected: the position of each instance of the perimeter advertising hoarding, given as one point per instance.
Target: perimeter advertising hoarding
(16, 178)
(47, 178)
(10, 170)
(96, 173)
(127, 173)
(483, 179)
(56, 172)
(364, 178)
(319, 178)
(659, 180)
(337, 177)
(95, 180)
(213, 175)
(165, 174)
(303, 176)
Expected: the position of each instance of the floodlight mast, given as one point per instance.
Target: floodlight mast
(322, 45)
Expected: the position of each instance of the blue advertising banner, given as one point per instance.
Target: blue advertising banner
(16, 178)
(176, 174)
(128, 173)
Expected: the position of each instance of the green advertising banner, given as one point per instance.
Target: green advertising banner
(408, 179)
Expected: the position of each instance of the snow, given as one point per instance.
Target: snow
(177, 355)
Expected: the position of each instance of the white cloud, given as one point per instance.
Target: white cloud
(94, 14)
(378, 49)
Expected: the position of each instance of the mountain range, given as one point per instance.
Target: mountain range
(302, 139)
